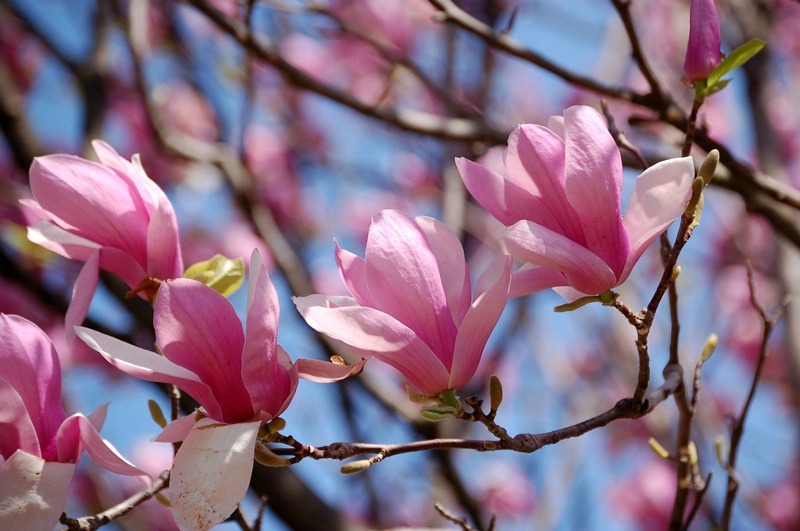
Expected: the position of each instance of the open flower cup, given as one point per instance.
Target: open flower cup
(39, 445)
(108, 214)
(411, 303)
(560, 199)
(241, 381)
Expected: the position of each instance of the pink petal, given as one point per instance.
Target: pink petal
(327, 372)
(197, 328)
(149, 366)
(30, 366)
(177, 430)
(78, 434)
(82, 295)
(531, 279)
(75, 247)
(506, 201)
(130, 172)
(17, 431)
(93, 198)
(535, 160)
(211, 473)
(163, 251)
(405, 282)
(353, 271)
(491, 294)
(267, 381)
(123, 265)
(594, 180)
(61, 242)
(584, 270)
(659, 198)
(373, 333)
(453, 269)
(34, 491)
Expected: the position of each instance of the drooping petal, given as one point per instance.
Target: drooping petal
(373, 333)
(491, 295)
(33, 491)
(583, 269)
(61, 242)
(594, 181)
(453, 268)
(211, 473)
(149, 366)
(30, 365)
(77, 434)
(659, 198)
(531, 279)
(267, 382)
(76, 247)
(326, 372)
(503, 199)
(405, 282)
(82, 295)
(197, 328)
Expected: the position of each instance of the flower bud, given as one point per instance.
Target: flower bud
(495, 392)
(709, 166)
(662, 452)
(709, 347)
(354, 467)
(267, 457)
(719, 446)
(703, 53)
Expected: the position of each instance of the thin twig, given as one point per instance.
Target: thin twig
(737, 427)
(90, 523)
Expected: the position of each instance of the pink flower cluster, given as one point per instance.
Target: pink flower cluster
(412, 304)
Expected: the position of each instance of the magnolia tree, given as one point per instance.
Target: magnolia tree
(486, 162)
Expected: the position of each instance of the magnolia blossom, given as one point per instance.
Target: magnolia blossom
(703, 53)
(39, 445)
(108, 214)
(561, 202)
(241, 382)
(412, 305)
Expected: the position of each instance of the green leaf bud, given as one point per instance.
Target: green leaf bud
(436, 413)
(221, 273)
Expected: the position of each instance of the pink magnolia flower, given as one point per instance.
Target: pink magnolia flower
(412, 305)
(561, 202)
(39, 445)
(703, 53)
(241, 380)
(108, 214)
